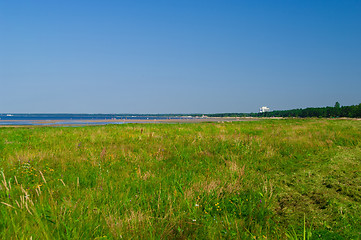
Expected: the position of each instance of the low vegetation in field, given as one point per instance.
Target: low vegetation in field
(270, 179)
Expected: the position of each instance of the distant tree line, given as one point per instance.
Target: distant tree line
(353, 111)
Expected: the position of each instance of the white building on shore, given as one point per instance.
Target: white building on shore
(264, 109)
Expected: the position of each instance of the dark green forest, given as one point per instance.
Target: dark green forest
(353, 111)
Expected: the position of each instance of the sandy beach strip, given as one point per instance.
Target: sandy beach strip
(28, 123)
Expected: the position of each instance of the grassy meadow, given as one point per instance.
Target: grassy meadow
(268, 179)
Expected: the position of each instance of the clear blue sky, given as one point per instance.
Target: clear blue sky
(178, 56)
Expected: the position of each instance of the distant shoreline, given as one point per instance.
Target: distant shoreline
(99, 122)
(24, 123)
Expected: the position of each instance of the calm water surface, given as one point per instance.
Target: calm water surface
(76, 119)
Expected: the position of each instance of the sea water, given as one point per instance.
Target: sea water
(76, 119)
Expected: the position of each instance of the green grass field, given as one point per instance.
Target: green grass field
(269, 179)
